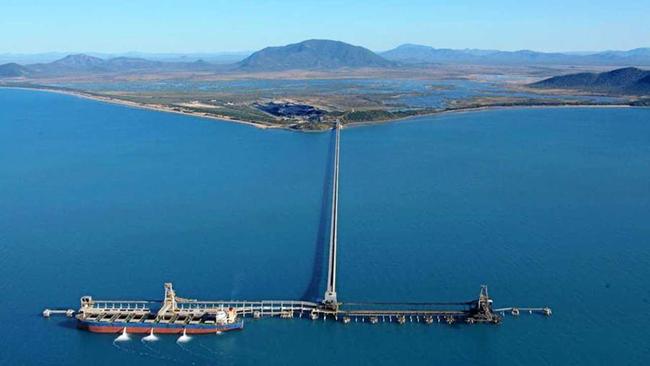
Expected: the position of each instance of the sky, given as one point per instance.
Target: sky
(188, 26)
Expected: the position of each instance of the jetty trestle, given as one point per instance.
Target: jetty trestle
(471, 312)
(329, 299)
(477, 311)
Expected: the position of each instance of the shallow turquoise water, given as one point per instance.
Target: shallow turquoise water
(547, 206)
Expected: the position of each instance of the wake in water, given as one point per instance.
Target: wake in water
(119, 344)
(184, 338)
(150, 352)
(123, 337)
(150, 338)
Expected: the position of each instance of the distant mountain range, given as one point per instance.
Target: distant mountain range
(313, 54)
(318, 55)
(629, 80)
(85, 64)
(307, 55)
(211, 57)
(413, 54)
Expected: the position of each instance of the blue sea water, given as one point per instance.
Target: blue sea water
(546, 206)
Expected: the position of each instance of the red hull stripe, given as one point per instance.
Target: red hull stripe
(139, 330)
(157, 330)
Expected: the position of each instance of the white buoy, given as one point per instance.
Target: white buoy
(124, 336)
(184, 338)
(151, 337)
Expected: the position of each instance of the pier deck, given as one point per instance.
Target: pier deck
(401, 313)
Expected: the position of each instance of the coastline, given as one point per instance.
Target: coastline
(152, 107)
(161, 108)
(486, 108)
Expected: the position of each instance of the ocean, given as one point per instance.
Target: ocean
(549, 207)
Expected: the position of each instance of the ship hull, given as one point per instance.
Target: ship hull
(145, 328)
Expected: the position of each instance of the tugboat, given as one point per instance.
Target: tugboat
(136, 317)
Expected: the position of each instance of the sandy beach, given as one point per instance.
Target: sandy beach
(154, 107)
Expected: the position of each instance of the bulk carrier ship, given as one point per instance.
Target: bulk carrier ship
(175, 316)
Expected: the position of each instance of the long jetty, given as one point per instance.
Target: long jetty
(479, 310)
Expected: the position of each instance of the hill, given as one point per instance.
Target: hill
(312, 54)
(79, 61)
(85, 64)
(13, 70)
(411, 53)
(629, 80)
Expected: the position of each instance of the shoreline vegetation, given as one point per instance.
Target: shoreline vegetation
(113, 100)
(347, 118)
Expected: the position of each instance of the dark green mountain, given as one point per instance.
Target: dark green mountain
(629, 80)
(11, 70)
(313, 55)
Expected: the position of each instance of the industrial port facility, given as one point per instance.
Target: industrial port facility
(182, 316)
